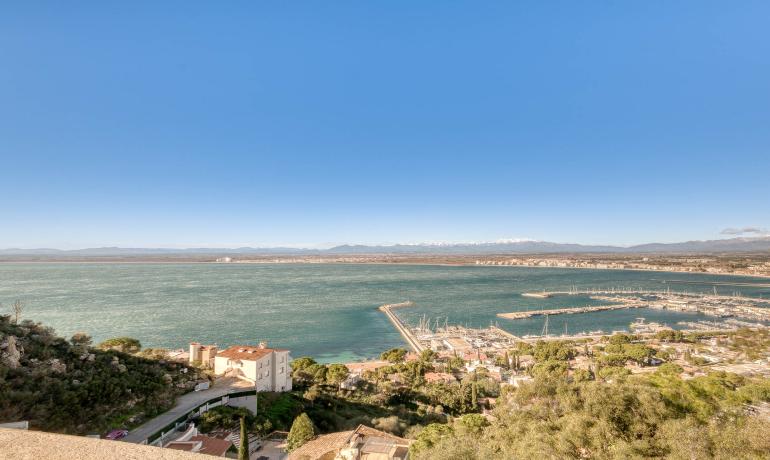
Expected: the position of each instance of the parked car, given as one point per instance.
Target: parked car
(202, 385)
(114, 435)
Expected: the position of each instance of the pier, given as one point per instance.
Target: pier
(405, 332)
(722, 306)
(505, 333)
(565, 311)
(644, 292)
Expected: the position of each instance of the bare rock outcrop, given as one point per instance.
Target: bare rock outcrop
(10, 352)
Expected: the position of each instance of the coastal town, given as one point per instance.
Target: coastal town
(448, 373)
(748, 264)
(385, 230)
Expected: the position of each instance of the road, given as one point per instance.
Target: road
(185, 404)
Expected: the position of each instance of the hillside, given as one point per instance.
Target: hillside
(70, 387)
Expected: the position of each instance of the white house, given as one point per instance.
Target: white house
(268, 368)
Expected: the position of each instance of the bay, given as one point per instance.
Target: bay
(328, 311)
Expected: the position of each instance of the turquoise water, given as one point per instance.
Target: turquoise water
(327, 311)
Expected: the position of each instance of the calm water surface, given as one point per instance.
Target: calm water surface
(327, 311)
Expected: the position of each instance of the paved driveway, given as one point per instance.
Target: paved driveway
(185, 404)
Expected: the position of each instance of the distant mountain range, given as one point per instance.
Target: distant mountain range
(754, 244)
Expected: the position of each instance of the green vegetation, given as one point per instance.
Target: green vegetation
(658, 415)
(671, 335)
(336, 374)
(749, 343)
(301, 432)
(394, 398)
(67, 386)
(394, 355)
(557, 350)
(276, 412)
(243, 448)
(121, 344)
(223, 417)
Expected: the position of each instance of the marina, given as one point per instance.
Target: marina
(711, 305)
(429, 334)
(454, 338)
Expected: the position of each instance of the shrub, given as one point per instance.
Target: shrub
(301, 432)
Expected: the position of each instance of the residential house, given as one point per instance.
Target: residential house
(202, 445)
(439, 377)
(361, 367)
(267, 368)
(363, 443)
(203, 354)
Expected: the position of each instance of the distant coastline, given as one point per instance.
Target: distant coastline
(498, 260)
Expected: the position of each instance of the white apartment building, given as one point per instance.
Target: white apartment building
(267, 368)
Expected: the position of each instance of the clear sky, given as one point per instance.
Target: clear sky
(187, 123)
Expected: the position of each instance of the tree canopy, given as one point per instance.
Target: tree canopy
(394, 355)
(655, 415)
(122, 344)
(301, 432)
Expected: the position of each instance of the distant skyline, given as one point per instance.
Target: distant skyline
(311, 124)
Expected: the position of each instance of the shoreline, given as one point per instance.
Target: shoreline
(331, 262)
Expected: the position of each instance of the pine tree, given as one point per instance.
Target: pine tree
(243, 449)
(300, 433)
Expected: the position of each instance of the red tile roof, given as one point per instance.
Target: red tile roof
(328, 445)
(439, 377)
(209, 446)
(245, 352)
(325, 445)
(367, 366)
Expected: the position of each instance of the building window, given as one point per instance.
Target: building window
(267, 374)
(281, 370)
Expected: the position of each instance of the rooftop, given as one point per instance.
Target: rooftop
(366, 366)
(23, 444)
(372, 443)
(321, 446)
(246, 352)
(202, 445)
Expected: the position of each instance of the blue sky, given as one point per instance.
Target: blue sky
(309, 123)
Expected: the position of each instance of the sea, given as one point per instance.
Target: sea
(327, 311)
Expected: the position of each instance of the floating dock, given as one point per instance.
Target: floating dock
(405, 332)
(564, 311)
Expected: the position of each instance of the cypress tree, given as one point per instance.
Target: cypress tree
(474, 391)
(243, 449)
